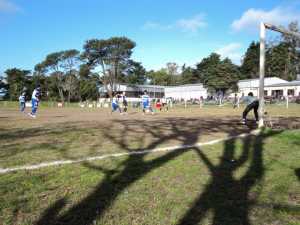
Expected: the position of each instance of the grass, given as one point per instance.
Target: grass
(193, 186)
(170, 188)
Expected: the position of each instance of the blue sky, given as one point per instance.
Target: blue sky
(164, 31)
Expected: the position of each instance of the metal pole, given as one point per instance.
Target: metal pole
(261, 74)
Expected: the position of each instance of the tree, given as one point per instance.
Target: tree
(223, 76)
(16, 80)
(109, 54)
(206, 67)
(250, 63)
(69, 62)
(292, 62)
(52, 65)
(276, 57)
(134, 73)
(172, 68)
(160, 77)
(87, 84)
(188, 76)
(3, 87)
(61, 66)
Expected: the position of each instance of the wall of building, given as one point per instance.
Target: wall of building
(186, 92)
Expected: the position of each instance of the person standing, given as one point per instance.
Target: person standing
(115, 104)
(35, 99)
(124, 101)
(146, 103)
(22, 100)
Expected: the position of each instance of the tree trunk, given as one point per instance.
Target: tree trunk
(61, 94)
(69, 96)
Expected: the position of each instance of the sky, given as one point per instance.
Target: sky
(181, 31)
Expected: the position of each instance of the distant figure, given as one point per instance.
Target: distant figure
(158, 105)
(115, 103)
(252, 103)
(146, 103)
(35, 99)
(236, 101)
(201, 101)
(22, 101)
(124, 101)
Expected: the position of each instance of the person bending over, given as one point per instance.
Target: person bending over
(252, 104)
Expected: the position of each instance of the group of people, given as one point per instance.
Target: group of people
(252, 103)
(121, 98)
(35, 99)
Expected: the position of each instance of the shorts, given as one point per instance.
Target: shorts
(114, 106)
(146, 105)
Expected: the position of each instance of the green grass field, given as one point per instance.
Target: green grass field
(254, 180)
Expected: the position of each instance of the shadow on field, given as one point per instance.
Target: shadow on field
(228, 197)
(297, 172)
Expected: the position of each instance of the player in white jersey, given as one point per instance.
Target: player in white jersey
(115, 103)
(35, 98)
(124, 101)
(146, 103)
(22, 101)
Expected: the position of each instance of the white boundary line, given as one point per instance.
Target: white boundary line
(165, 149)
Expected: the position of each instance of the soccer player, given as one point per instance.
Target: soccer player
(236, 102)
(252, 103)
(22, 101)
(115, 103)
(146, 103)
(158, 105)
(125, 103)
(35, 98)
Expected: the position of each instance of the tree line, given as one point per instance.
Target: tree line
(71, 75)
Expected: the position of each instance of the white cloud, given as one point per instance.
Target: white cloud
(252, 18)
(192, 24)
(8, 6)
(231, 51)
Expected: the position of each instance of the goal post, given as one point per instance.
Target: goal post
(262, 59)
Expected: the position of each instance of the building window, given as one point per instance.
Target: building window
(291, 92)
(266, 93)
(277, 93)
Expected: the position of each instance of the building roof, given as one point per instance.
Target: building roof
(254, 83)
(291, 83)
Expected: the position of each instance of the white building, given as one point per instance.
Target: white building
(283, 89)
(274, 86)
(186, 92)
(252, 85)
(133, 92)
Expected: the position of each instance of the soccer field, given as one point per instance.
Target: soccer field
(250, 180)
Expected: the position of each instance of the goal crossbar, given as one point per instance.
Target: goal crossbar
(262, 56)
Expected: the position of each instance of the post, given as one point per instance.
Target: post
(261, 74)
(287, 101)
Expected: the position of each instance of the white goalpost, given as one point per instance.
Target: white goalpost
(262, 57)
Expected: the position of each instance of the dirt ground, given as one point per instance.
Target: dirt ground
(280, 117)
(73, 133)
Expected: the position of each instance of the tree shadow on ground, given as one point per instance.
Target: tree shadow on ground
(297, 172)
(228, 197)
